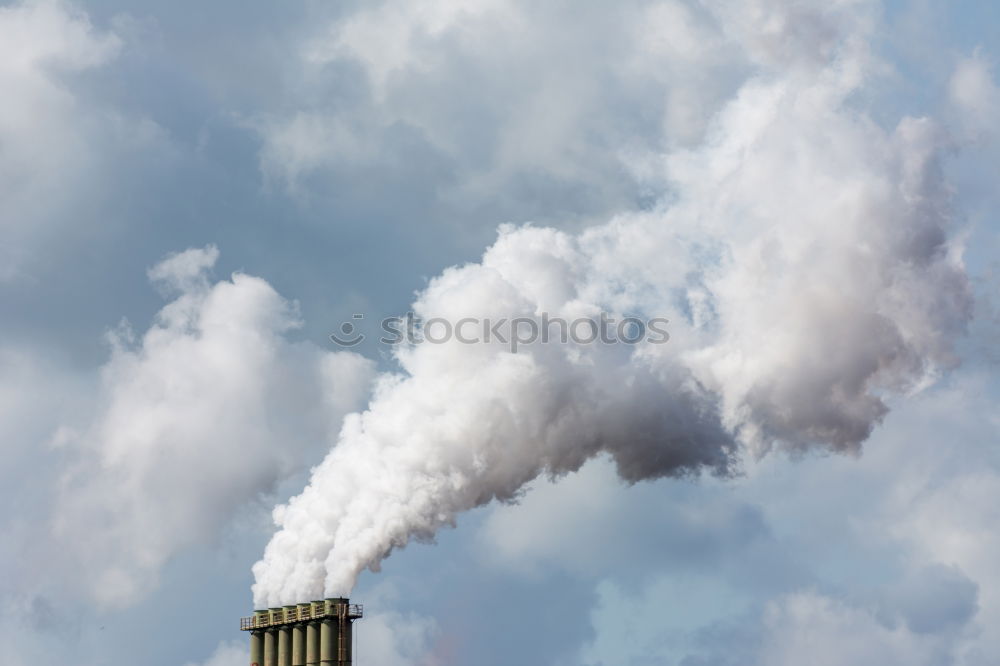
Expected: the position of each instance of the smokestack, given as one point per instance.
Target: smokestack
(312, 635)
(257, 638)
(317, 633)
(285, 638)
(271, 637)
(299, 635)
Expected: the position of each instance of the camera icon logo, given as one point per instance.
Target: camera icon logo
(349, 335)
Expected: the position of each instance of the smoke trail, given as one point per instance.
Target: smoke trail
(804, 262)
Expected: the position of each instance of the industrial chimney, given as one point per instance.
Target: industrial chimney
(318, 633)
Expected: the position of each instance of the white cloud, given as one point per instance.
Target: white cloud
(390, 36)
(35, 394)
(61, 145)
(395, 639)
(508, 99)
(199, 418)
(228, 653)
(184, 271)
(810, 628)
(40, 41)
(677, 621)
(703, 622)
(973, 106)
(46, 143)
(515, 99)
(953, 521)
(589, 522)
(975, 95)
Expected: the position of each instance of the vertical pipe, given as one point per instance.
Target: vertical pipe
(299, 636)
(274, 617)
(271, 647)
(256, 648)
(312, 634)
(342, 650)
(298, 645)
(312, 644)
(329, 634)
(257, 638)
(343, 623)
(326, 642)
(284, 646)
(346, 638)
(285, 638)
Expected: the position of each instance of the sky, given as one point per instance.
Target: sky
(194, 196)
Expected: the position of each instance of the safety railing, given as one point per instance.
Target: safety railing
(293, 615)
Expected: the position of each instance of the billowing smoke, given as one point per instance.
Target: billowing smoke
(803, 259)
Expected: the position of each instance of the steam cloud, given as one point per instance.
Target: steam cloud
(804, 260)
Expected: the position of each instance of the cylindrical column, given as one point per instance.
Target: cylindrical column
(274, 616)
(329, 634)
(313, 634)
(299, 636)
(327, 641)
(312, 644)
(256, 648)
(257, 638)
(285, 639)
(271, 647)
(298, 645)
(285, 646)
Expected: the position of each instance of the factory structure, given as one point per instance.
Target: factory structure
(317, 633)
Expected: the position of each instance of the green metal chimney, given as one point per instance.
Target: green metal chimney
(317, 633)
(312, 634)
(328, 635)
(271, 637)
(285, 637)
(257, 637)
(299, 634)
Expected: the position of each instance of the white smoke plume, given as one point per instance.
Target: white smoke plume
(804, 259)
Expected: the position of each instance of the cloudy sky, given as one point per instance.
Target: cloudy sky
(194, 196)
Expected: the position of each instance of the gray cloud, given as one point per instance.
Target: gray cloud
(935, 599)
(584, 524)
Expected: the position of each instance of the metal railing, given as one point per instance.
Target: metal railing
(293, 615)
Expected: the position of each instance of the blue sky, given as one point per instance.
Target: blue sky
(193, 197)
